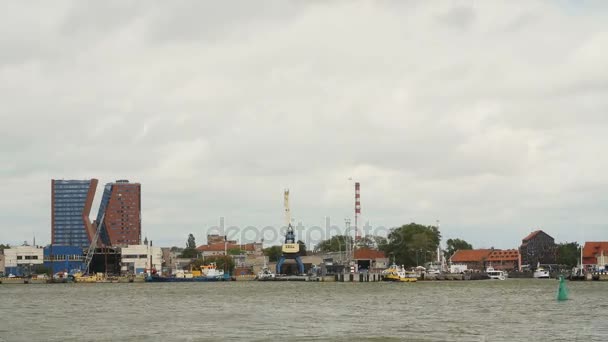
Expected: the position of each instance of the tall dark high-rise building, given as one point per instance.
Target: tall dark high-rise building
(71, 202)
(121, 203)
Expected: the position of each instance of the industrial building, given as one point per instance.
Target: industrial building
(121, 204)
(63, 258)
(22, 260)
(135, 259)
(71, 202)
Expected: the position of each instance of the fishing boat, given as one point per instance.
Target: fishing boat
(398, 273)
(496, 274)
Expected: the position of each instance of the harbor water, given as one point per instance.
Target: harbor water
(511, 310)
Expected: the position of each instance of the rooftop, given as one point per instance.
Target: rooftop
(368, 253)
(533, 235)
(504, 255)
(593, 248)
(470, 255)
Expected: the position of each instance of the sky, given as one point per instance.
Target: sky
(488, 116)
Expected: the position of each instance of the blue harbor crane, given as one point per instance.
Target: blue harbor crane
(291, 248)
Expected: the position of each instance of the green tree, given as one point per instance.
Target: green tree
(235, 251)
(273, 253)
(454, 245)
(176, 249)
(191, 242)
(568, 254)
(336, 243)
(4, 246)
(302, 251)
(190, 250)
(411, 244)
(371, 241)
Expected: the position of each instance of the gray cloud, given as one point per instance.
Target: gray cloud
(490, 118)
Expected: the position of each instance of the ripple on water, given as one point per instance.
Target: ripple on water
(512, 310)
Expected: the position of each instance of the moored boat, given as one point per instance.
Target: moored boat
(541, 272)
(496, 274)
(398, 273)
(206, 273)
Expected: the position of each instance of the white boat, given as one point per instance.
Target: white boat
(211, 272)
(496, 274)
(265, 274)
(541, 272)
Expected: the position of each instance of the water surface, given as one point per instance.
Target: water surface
(511, 310)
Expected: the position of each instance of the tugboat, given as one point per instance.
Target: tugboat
(398, 273)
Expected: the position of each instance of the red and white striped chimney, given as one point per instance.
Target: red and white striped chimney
(357, 210)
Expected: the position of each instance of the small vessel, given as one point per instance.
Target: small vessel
(541, 272)
(398, 273)
(211, 272)
(265, 273)
(496, 274)
(207, 273)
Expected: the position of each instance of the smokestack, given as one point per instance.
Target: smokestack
(357, 210)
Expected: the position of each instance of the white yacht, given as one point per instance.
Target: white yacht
(496, 274)
(541, 273)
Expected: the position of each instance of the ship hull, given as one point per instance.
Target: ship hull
(180, 280)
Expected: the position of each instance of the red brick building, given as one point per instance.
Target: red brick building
(595, 254)
(121, 203)
(480, 259)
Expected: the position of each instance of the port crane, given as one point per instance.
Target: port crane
(291, 248)
(89, 257)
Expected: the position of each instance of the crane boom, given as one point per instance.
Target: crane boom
(287, 210)
(93, 245)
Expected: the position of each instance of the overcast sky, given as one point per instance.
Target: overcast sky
(489, 116)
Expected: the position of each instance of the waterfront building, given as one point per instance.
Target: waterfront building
(22, 260)
(538, 247)
(595, 255)
(222, 248)
(71, 202)
(135, 259)
(121, 203)
(473, 259)
(1, 262)
(481, 259)
(370, 259)
(64, 258)
(504, 259)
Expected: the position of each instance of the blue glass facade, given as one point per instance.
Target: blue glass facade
(105, 199)
(64, 258)
(71, 204)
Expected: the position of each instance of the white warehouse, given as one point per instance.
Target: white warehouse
(136, 259)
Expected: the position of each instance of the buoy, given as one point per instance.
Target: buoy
(562, 290)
